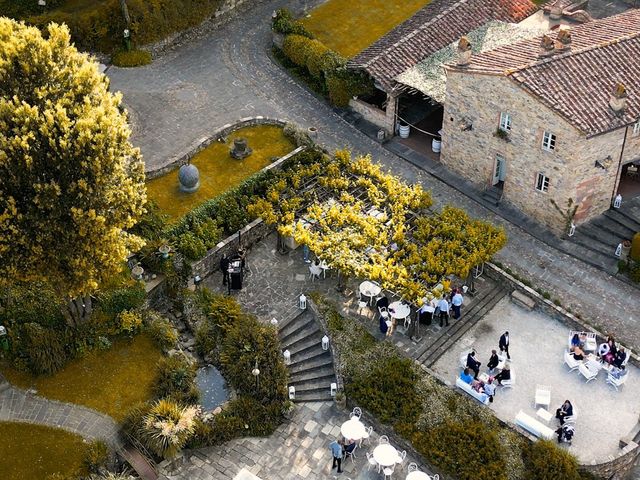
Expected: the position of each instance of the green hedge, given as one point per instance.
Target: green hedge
(131, 58)
(545, 461)
(284, 23)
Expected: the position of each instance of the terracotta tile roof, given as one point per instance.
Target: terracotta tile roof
(430, 29)
(577, 84)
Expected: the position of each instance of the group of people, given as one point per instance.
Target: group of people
(608, 352)
(488, 388)
(442, 308)
(340, 449)
(566, 430)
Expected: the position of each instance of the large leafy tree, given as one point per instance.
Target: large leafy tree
(71, 184)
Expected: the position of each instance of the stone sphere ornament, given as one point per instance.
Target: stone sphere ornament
(189, 178)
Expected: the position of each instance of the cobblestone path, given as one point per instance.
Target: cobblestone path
(227, 74)
(19, 406)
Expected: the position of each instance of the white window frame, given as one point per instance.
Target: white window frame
(542, 183)
(636, 128)
(549, 141)
(505, 121)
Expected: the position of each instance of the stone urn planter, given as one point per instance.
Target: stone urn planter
(626, 249)
(313, 132)
(341, 401)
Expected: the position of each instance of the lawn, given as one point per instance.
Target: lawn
(109, 381)
(218, 170)
(33, 452)
(348, 26)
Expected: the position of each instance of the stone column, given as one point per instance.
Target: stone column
(390, 115)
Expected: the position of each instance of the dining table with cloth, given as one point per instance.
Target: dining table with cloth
(353, 429)
(386, 455)
(399, 310)
(417, 475)
(370, 289)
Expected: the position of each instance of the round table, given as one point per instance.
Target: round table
(385, 455)
(353, 429)
(370, 289)
(418, 476)
(399, 310)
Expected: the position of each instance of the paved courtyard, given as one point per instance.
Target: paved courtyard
(604, 416)
(297, 450)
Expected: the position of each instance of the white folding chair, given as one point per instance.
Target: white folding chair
(351, 454)
(388, 471)
(357, 412)
(366, 436)
(543, 396)
(362, 306)
(571, 362)
(402, 456)
(617, 382)
(383, 439)
(413, 467)
(383, 312)
(407, 323)
(371, 461)
(314, 272)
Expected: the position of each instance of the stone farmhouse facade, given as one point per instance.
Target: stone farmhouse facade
(549, 120)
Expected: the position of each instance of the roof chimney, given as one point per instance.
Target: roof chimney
(464, 52)
(618, 100)
(546, 46)
(563, 40)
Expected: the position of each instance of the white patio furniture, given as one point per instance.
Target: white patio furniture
(413, 467)
(357, 412)
(399, 310)
(463, 357)
(369, 289)
(587, 371)
(592, 342)
(351, 454)
(402, 456)
(367, 435)
(383, 440)
(385, 455)
(509, 383)
(371, 461)
(418, 475)
(465, 387)
(544, 414)
(572, 418)
(362, 306)
(388, 471)
(571, 362)
(617, 382)
(543, 396)
(324, 267)
(383, 312)
(533, 426)
(353, 429)
(314, 272)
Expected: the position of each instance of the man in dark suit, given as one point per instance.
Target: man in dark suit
(473, 364)
(504, 344)
(224, 268)
(493, 360)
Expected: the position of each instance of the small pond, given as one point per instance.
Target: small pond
(212, 387)
(218, 170)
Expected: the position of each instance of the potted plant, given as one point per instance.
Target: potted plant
(501, 134)
(626, 248)
(341, 400)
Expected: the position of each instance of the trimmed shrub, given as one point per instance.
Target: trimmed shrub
(468, 451)
(298, 48)
(112, 302)
(131, 58)
(191, 246)
(545, 461)
(315, 57)
(161, 330)
(342, 84)
(96, 456)
(176, 380)
(129, 322)
(284, 23)
(44, 348)
(635, 248)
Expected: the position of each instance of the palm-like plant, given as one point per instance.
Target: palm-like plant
(168, 426)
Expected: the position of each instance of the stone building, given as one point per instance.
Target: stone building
(431, 29)
(551, 121)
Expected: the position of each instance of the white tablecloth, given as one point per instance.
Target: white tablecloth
(385, 455)
(399, 310)
(418, 476)
(353, 429)
(369, 289)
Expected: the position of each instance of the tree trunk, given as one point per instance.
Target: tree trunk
(78, 310)
(125, 12)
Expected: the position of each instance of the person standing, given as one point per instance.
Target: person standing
(336, 451)
(443, 306)
(456, 303)
(224, 268)
(504, 344)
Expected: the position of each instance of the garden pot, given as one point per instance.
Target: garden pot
(313, 132)
(436, 145)
(404, 131)
(626, 249)
(341, 402)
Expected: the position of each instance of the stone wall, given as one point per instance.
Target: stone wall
(371, 113)
(479, 100)
(203, 143)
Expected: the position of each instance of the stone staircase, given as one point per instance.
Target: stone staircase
(311, 369)
(492, 195)
(602, 235)
(489, 293)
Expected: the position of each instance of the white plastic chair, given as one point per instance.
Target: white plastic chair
(510, 382)
(388, 471)
(352, 454)
(361, 307)
(589, 374)
(543, 396)
(571, 362)
(367, 435)
(402, 456)
(617, 382)
(413, 467)
(371, 461)
(357, 412)
(407, 323)
(383, 312)
(383, 439)
(592, 343)
(314, 272)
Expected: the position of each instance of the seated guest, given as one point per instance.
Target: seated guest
(350, 446)
(620, 357)
(383, 325)
(613, 349)
(478, 386)
(505, 374)
(577, 353)
(575, 340)
(473, 364)
(565, 410)
(466, 377)
(565, 433)
(490, 389)
(493, 360)
(382, 302)
(603, 349)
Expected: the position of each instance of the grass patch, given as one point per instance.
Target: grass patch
(33, 452)
(110, 381)
(348, 27)
(133, 58)
(218, 170)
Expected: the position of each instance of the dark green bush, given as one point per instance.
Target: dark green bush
(284, 23)
(133, 421)
(30, 303)
(467, 451)
(44, 348)
(635, 248)
(131, 58)
(161, 330)
(117, 300)
(545, 461)
(191, 246)
(342, 84)
(209, 232)
(176, 380)
(96, 456)
(152, 223)
(634, 272)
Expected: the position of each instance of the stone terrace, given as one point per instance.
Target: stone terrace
(604, 416)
